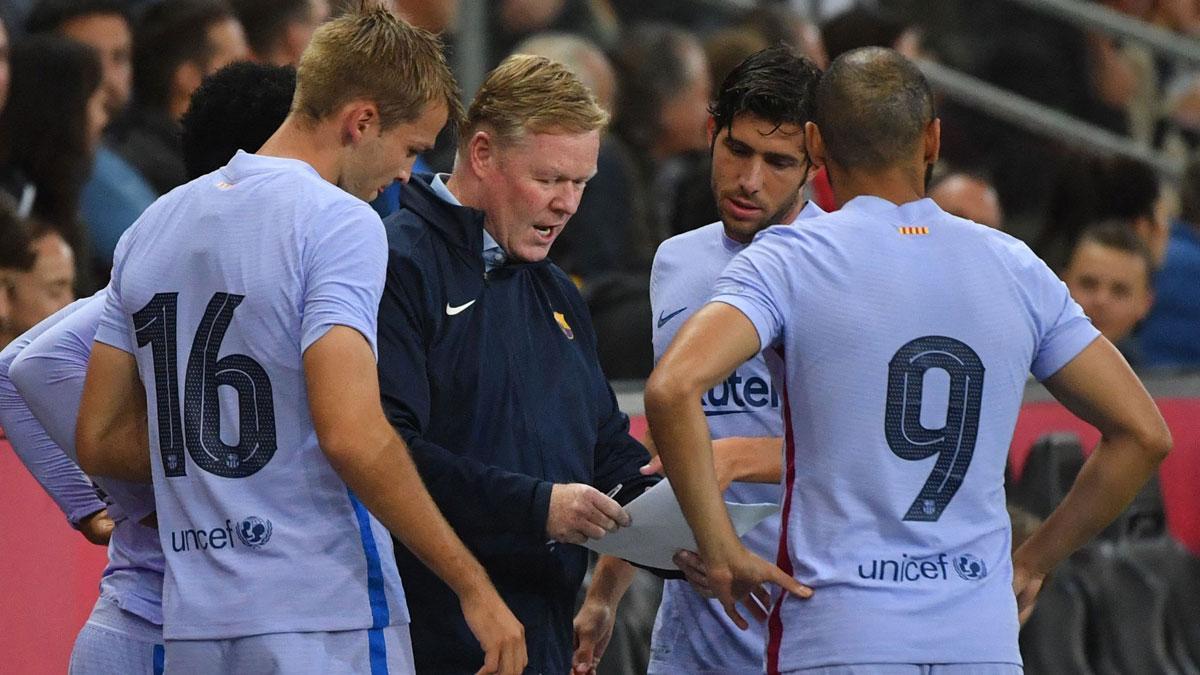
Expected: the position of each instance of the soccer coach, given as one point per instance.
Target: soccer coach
(488, 366)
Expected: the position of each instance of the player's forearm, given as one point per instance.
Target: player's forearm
(681, 434)
(387, 482)
(119, 451)
(1109, 480)
(748, 459)
(610, 580)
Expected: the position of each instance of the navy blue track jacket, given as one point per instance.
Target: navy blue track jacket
(494, 383)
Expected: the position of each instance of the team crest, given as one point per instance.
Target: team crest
(566, 327)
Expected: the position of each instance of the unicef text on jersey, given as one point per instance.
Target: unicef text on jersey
(736, 395)
(252, 532)
(909, 570)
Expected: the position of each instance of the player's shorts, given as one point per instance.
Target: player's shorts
(115, 641)
(368, 652)
(915, 669)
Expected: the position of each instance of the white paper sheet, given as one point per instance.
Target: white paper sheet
(659, 528)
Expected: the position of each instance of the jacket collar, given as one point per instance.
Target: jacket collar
(462, 226)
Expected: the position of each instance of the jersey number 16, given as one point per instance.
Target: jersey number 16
(200, 430)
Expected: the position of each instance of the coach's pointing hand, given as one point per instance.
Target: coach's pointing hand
(580, 512)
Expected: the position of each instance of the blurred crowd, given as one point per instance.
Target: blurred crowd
(92, 93)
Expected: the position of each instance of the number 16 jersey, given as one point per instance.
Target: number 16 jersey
(217, 290)
(903, 337)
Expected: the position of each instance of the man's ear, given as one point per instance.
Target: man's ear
(481, 152)
(814, 143)
(711, 128)
(357, 119)
(933, 140)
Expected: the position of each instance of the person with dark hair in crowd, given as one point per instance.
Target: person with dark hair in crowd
(16, 256)
(115, 194)
(1092, 189)
(881, 320)
(236, 108)
(1171, 333)
(488, 368)
(47, 365)
(662, 109)
(277, 31)
(176, 43)
(1110, 274)
(759, 170)
(968, 195)
(44, 166)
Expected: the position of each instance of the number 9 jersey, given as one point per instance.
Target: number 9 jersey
(903, 337)
(217, 290)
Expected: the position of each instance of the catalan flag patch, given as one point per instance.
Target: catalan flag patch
(914, 230)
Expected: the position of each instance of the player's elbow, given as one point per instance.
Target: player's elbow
(1154, 438)
(665, 390)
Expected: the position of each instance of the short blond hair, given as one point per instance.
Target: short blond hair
(371, 54)
(532, 94)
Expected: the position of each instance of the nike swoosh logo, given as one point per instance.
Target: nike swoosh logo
(451, 311)
(663, 319)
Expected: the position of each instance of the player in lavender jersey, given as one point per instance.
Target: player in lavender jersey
(243, 306)
(903, 337)
(48, 366)
(759, 168)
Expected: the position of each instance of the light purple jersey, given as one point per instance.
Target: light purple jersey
(905, 336)
(217, 290)
(693, 634)
(49, 374)
(58, 475)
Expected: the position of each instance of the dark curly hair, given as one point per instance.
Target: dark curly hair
(235, 108)
(776, 84)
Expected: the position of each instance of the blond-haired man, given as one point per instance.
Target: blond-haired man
(488, 364)
(250, 296)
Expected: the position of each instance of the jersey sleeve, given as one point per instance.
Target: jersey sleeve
(345, 259)
(754, 282)
(115, 328)
(1063, 330)
(49, 375)
(58, 476)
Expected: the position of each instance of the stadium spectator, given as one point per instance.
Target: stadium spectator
(662, 110)
(115, 193)
(862, 26)
(48, 286)
(1110, 275)
(16, 256)
(969, 196)
(1171, 334)
(176, 43)
(287, 230)
(858, 402)
(277, 31)
(44, 166)
(488, 370)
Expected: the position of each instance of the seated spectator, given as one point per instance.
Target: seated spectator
(969, 196)
(44, 288)
(1171, 334)
(176, 44)
(1109, 275)
(115, 194)
(49, 132)
(16, 256)
(277, 31)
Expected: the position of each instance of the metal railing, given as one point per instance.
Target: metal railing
(1101, 18)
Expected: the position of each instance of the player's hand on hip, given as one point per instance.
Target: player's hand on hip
(1026, 586)
(500, 635)
(593, 631)
(580, 512)
(742, 578)
(97, 528)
